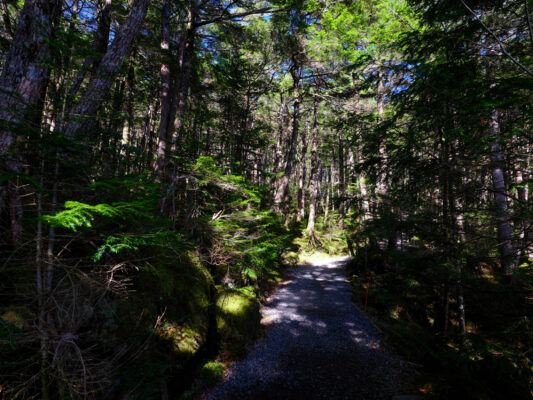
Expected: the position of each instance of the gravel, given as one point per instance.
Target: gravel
(317, 345)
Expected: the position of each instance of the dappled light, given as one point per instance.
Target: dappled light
(317, 344)
(166, 165)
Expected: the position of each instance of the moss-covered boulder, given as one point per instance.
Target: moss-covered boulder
(238, 319)
(179, 293)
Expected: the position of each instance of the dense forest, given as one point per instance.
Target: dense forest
(162, 161)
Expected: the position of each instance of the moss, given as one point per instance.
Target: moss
(207, 376)
(238, 320)
(180, 293)
(210, 373)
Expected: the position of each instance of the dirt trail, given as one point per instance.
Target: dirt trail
(317, 345)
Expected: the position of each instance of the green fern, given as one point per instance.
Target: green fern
(78, 214)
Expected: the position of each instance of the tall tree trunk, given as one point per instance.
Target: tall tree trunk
(334, 180)
(289, 161)
(314, 178)
(328, 193)
(341, 182)
(282, 132)
(186, 57)
(522, 168)
(502, 214)
(381, 184)
(365, 204)
(98, 47)
(167, 88)
(303, 174)
(26, 71)
(361, 179)
(23, 84)
(128, 132)
(110, 64)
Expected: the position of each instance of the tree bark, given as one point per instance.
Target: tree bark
(282, 128)
(26, 69)
(98, 46)
(328, 193)
(501, 214)
(341, 189)
(166, 91)
(186, 56)
(23, 84)
(109, 66)
(303, 175)
(314, 178)
(289, 161)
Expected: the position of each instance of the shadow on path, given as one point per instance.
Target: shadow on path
(317, 345)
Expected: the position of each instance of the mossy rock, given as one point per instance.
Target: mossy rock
(238, 320)
(207, 376)
(181, 292)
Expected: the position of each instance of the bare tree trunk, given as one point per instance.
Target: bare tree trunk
(98, 46)
(282, 129)
(328, 193)
(314, 178)
(109, 66)
(365, 204)
(381, 184)
(166, 92)
(522, 176)
(334, 180)
(23, 84)
(26, 69)
(186, 56)
(284, 181)
(502, 214)
(341, 182)
(128, 132)
(302, 176)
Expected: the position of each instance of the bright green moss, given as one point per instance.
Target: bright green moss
(237, 320)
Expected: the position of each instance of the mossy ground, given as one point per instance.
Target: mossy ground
(238, 320)
(329, 240)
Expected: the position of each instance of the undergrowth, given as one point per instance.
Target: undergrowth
(329, 239)
(154, 300)
(407, 291)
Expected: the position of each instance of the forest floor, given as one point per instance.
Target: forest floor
(317, 345)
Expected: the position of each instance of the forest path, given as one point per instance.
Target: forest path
(317, 345)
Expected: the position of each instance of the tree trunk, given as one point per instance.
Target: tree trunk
(166, 94)
(314, 178)
(328, 193)
(289, 161)
(365, 204)
(98, 46)
(26, 69)
(128, 132)
(501, 214)
(302, 176)
(23, 84)
(341, 182)
(282, 129)
(186, 56)
(110, 64)
(522, 176)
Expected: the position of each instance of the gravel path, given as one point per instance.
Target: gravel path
(317, 346)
